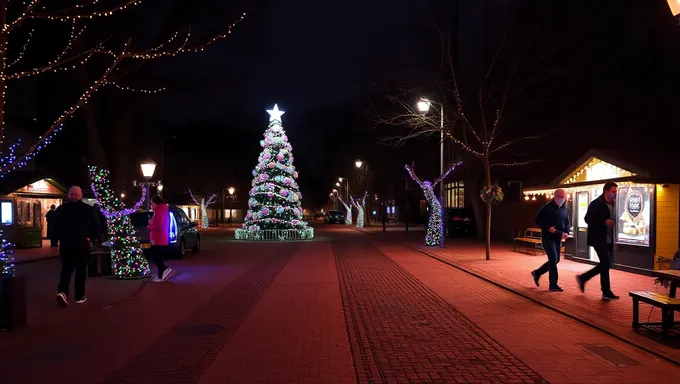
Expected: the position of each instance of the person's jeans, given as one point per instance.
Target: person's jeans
(604, 253)
(156, 255)
(552, 250)
(74, 257)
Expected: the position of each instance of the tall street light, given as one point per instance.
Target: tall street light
(231, 197)
(148, 168)
(360, 164)
(345, 181)
(423, 105)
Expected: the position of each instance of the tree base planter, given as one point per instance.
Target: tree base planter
(12, 302)
(306, 233)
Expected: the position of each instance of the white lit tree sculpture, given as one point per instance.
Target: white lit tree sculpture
(203, 204)
(434, 224)
(16, 63)
(348, 209)
(360, 206)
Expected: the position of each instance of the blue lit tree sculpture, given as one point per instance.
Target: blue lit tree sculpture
(434, 224)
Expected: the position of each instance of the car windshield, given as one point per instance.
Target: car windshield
(140, 219)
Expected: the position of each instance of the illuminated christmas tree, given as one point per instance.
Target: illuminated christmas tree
(435, 223)
(275, 203)
(127, 258)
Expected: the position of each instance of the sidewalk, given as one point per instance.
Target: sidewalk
(34, 254)
(511, 270)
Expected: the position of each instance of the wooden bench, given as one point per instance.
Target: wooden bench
(530, 242)
(667, 304)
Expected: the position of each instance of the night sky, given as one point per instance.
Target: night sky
(326, 63)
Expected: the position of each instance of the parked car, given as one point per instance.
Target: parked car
(460, 222)
(183, 235)
(334, 217)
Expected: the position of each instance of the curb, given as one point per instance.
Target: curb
(552, 308)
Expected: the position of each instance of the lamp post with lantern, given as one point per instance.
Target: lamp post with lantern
(423, 105)
(148, 168)
(231, 191)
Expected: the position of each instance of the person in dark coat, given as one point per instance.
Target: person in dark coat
(103, 225)
(76, 226)
(553, 220)
(600, 220)
(54, 243)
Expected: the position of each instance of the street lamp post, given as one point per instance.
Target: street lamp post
(423, 106)
(345, 181)
(231, 198)
(148, 168)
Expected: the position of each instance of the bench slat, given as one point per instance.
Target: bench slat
(529, 240)
(657, 298)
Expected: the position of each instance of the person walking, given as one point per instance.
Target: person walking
(54, 243)
(159, 233)
(600, 220)
(553, 220)
(75, 227)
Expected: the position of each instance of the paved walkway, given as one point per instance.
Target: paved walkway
(353, 309)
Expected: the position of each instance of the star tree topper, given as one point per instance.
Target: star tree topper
(275, 114)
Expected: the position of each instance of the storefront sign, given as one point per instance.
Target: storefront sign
(41, 187)
(633, 207)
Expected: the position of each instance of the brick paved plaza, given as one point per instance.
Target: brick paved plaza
(349, 307)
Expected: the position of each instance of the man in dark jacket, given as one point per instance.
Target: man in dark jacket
(553, 220)
(76, 226)
(50, 224)
(600, 220)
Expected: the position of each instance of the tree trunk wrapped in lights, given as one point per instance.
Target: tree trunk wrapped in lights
(435, 222)
(348, 209)
(360, 206)
(205, 223)
(127, 258)
(275, 203)
(6, 256)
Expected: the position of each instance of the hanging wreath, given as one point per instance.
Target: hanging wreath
(492, 194)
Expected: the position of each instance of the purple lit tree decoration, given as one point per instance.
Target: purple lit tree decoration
(204, 207)
(348, 209)
(360, 208)
(434, 224)
(127, 258)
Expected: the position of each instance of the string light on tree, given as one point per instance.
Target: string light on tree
(68, 58)
(360, 206)
(6, 256)
(127, 258)
(348, 210)
(204, 207)
(275, 206)
(435, 222)
(139, 90)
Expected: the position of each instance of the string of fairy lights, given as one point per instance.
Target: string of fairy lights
(68, 60)
(435, 222)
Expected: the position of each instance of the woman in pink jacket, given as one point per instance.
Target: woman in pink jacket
(159, 233)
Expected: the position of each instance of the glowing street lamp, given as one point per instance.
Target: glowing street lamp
(359, 163)
(675, 7)
(148, 168)
(423, 105)
(231, 190)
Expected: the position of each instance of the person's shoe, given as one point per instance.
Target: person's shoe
(166, 274)
(556, 288)
(81, 300)
(62, 300)
(157, 280)
(536, 277)
(581, 284)
(610, 296)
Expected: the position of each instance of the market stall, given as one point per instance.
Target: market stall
(647, 210)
